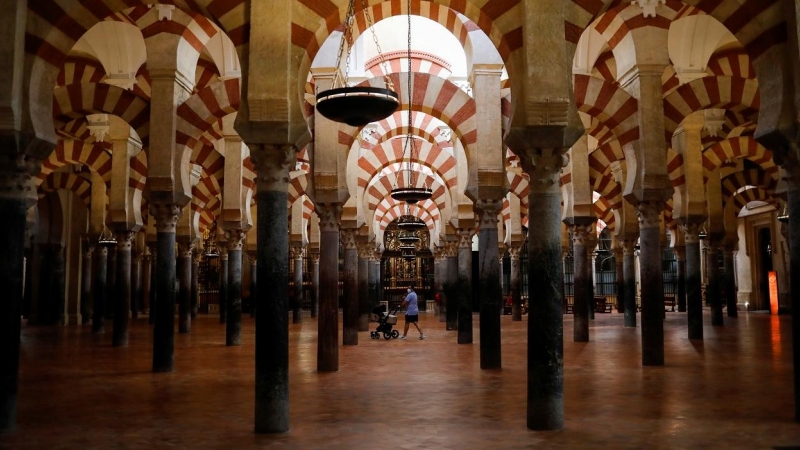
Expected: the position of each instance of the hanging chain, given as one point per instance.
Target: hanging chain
(347, 37)
(409, 138)
(382, 64)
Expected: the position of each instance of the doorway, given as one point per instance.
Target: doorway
(764, 240)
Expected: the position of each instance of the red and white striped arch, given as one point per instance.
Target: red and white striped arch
(614, 107)
(739, 148)
(519, 185)
(94, 156)
(138, 175)
(423, 125)
(391, 209)
(604, 213)
(297, 188)
(390, 153)
(200, 112)
(606, 186)
(69, 182)
(742, 198)
(751, 177)
(80, 69)
(397, 61)
(380, 187)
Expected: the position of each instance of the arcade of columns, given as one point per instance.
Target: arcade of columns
(655, 118)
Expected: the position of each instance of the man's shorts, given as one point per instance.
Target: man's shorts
(412, 319)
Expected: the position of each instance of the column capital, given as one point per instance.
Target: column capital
(365, 250)
(185, 249)
(649, 213)
(16, 178)
(236, 238)
(465, 237)
(273, 163)
(583, 232)
(514, 252)
(296, 251)
(330, 216)
(166, 216)
(124, 240)
(487, 211)
(680, 253)
(691, 232)
(628, 246)
(543, 166)
(348, 236)
(223, 253)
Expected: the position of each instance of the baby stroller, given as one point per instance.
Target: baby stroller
(385, 322)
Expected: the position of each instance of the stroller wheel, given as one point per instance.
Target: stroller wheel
(387, 335)
(395, 334)
(373, 334)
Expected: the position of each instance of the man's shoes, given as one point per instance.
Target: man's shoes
(403, 338)
(421, 337)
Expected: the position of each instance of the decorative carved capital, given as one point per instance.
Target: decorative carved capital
(124, 240)
(628, 246)
(296, 251)
(584, 234)
(185, 250)
(273, 163)
(88, 250)
(348, 237)
(166, 215)
(543, 166)
(236, 238)
(16, 180)
(691, 232)
(330, 216)
(650, 214)
(488, 210)
(315, 257)
(514, 252)
(465, 237)
(223, 253)
(366, 250)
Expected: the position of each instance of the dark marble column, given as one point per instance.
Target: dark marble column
(451, 287)
(629, 282)
(184, 274)
(730, 281)
(166, 216)
(713, 288)
(251, 257)
(100, 268)
(86, 282)
(136, 284)
(490, 291)
(314, 284)
(57, 274)
(794, 274)
(272, 321)
(680, 255)
(233, 328)
(151, 301)
(13, 207)
(651, 278)
(581, 248)
(464, 284)
(350, 283)
(195, 302)
(694, 295)
(515, 283)
(146, 282)
(363, 286)
(111, 282)
(223, 284)
(620, 278)
(122, 291)
(441, 280)
(296, 252)
(374, 278)
(330, 215)
(545, 401)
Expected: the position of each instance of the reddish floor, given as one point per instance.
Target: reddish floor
(731, 391)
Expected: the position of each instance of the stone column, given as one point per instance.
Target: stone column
(516, 283)
(314, 284)
(195, 302)
(100, 268)
(451, 276)
(166, 215)
(490, 292)
(464, 301)
(620, 277)
(581, 242)
(57, 274)
(184, 274)
(122, 291)
(111, 284)
(364, 308)
(272, 324)
(650, 267)
(223, 284)
(694, 295)
(730, 281)
(296, 252)
(86, 282)
(16, 193)
(233, 328)
(374, 278)
(350, 298)
(629, 282)
(253, 282)
(151, 301)
(680, 255)
(712, 290)
(136, 284)
(330, 215)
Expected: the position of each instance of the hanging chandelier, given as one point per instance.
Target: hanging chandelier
(358, 105)
(107, 238)
(409, 222)
(783, 216)
(408, 237)
(409, 193)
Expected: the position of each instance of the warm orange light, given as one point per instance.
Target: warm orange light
(772, 277)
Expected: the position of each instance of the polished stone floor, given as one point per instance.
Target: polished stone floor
(731, 391)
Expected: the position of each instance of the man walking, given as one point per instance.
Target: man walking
(412, 313)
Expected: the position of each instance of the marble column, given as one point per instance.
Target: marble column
(166, 216)
(99, 276)
(146, 282)
(441, 280)
(16, 189)
(111, 282)
(680, 255)
(730, 281)
(253, 281)
(620, 278)
(136, 284)
(272, 321)
(451, 296)
(296, 252)
(122, 291)
(223, 284)
(712, 290)
(314, 284)
(489, 291)
(464, 289)
(195, 302)
(581, 238)
(86, 282)
(153, 286)
(184, 274)
(364, 308)
(629, 282)
(516, 283)
(330, 216)
(694, 295)
(651, 278)
(793, 203)
(374, 278)
(57, 274)
(350, 283)
(233, 327)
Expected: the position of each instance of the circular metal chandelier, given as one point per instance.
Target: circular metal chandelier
(410, 193)
(357, 105)
(106, 238)
(408, 237)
